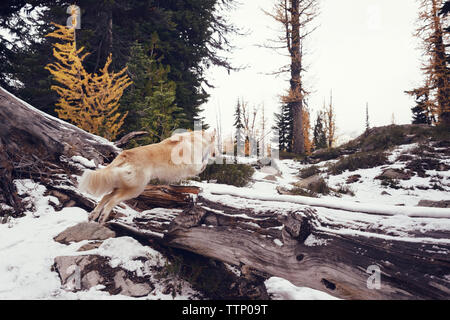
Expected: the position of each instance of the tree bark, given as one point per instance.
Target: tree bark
(296, 95)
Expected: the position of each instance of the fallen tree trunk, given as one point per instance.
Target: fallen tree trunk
(301, 247)
(28, 132)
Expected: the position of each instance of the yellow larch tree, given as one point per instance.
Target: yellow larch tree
(90, 101)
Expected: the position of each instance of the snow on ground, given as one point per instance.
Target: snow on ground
(282, 289)
(27, 253)
(261, 192)
(368, 189)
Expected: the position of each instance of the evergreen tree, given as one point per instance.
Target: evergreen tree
(280, 130)
(239, 136)
(320, 136)
(330, 122)
(151, 99)
(283, 124)
(238, 119)
(367, 117)
(421, 113)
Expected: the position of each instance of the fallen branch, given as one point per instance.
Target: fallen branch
(126, 138)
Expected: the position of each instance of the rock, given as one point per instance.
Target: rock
(270, 177)
(90, 246)
(84, 231)
(394, 174)
(354, 178)
(91, 279)
(309, 182)
(385, 193)
(434, 204)
(70, 265)
(87, 271)
(130, 288)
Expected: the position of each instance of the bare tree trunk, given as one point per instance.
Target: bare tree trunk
(296, 95)
(440, 68)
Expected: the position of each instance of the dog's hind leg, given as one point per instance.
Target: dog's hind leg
(95, 214)
(118, 197)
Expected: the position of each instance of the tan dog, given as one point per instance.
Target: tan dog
(178, 157)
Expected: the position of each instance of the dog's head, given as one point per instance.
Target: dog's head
(209, 139)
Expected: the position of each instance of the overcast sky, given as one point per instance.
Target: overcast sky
(363, 50)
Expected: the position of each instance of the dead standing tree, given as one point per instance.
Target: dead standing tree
(295, 16)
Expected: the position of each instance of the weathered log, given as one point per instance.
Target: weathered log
(307, 249)
(8, 191)
(26, 131)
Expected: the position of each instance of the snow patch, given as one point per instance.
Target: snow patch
(282, 289)
(83, 161)
(312, 241)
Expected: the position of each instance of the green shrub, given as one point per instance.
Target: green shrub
(312, 190)
(326, 154)
(297, 191)
(320, 187)
(238, 175)
(343, 189)
(390, 183)
(284, 155)
(359, 160)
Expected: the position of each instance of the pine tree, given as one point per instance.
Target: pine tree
(367, 117)
(319, 137)
(330, 123)
(421, 112)
(238, 122)
(89, 101)
(283, 125)
(151, 100)
(162, 115)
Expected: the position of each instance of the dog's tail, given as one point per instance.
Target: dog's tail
(98, 182)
